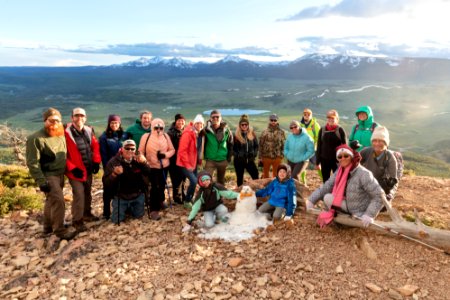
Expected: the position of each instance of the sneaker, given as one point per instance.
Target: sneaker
(187, 205)
(154, 215)
(91, 218)
(66, 233)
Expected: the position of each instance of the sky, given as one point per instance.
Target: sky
(105, 32)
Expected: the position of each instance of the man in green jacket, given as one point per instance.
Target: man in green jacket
(218, 146)
(46, 159)
(140, 127)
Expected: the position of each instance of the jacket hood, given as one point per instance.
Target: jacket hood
(370, 119)
(288, 171)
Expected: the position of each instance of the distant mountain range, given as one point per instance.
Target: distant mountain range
(309, 67)
(312, 66)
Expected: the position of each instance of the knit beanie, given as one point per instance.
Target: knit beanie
(202, 177)
(381, 133)
(356, 157)
(243, 119)
(51, 112)
(179, 116)
(113, 118)
(199, 119)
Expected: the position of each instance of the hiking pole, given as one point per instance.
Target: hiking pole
(406, 236)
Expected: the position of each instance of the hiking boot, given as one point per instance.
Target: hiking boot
(178, 201)
(66, 233)
(47, 230)
(187, 205)
(90, 218)
(79, 226)
(154, 215)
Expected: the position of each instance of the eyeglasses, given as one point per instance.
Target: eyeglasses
(273, 120)
(215, 117)
(343, 156)
(293, 127)
(53, 121)
(158, 128)
(244, 124)
(130, 149)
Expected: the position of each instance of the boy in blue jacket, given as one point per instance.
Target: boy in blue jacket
(282, 192)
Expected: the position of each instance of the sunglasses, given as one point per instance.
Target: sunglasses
(130, 149)
(244, 124)
(272, 120)
(343, 156)
(215, 117)
(306, 114)
(293, 127)
(158, 128)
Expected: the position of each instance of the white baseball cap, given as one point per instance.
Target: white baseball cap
(78, 111)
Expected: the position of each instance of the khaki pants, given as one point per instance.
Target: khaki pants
(270, 162)
(220, 166)
(54, 206)
(82, 198)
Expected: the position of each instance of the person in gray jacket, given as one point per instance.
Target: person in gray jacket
(381, 162)
(352, 190)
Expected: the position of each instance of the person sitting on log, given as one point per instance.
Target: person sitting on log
(352, 189)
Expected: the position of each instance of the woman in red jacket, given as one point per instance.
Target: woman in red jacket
(189, 154)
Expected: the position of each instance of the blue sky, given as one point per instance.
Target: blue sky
(103, 32)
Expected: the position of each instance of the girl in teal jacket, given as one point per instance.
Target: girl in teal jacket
(362, 131)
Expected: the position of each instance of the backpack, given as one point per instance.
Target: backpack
(400, 164)
(372, 128)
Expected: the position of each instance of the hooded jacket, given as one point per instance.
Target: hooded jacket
(188, 155)
(158, 141)
(136, 131)
(298, 147)
(281, 193)
(364, 131)
(312, 128)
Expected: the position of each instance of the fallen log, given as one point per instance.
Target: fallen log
(433, 236)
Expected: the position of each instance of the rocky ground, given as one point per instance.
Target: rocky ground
(144, 259)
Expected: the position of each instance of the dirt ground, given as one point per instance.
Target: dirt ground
(144, 259)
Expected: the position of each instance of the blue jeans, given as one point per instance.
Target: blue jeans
(192, 176)
(134, 207)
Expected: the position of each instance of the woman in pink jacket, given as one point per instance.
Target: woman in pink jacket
(157, 148)
(189, 154)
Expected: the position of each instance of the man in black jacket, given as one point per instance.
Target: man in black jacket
(124, 177)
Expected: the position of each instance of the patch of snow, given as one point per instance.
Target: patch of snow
(366, 87)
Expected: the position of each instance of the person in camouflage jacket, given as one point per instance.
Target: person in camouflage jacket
(271, 145)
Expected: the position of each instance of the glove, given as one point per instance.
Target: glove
(160, 155)
(309, 205)
(366, 220)
(186, 228)
(77, 173)
(45, 187)
(355, 144)
(95, 168)
(287, 218)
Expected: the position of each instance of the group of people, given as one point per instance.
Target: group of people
(138, 161)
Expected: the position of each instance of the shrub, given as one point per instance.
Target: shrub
(12, 176)
(19, 198)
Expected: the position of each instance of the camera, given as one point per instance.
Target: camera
(388, 181)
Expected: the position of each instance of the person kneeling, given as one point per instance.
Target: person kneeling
(124, 177)
(282, 194)
(209, 199)
(352, 190)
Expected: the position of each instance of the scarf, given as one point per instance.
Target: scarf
(330, 127)
(338, 191)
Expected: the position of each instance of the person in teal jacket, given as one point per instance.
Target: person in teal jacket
(298, 149)
(209, 200)
(282, 195)
(362, 131)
